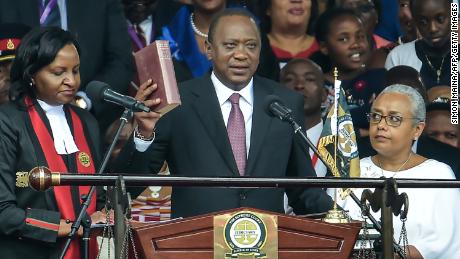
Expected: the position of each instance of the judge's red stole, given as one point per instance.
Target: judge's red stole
(85, 164)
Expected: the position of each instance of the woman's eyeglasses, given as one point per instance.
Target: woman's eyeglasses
(391, 120)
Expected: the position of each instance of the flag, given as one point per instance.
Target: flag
(337, 144)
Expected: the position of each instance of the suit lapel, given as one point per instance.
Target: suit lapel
(207, 107)
(260, 124)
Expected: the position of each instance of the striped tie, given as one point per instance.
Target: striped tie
(54, 17)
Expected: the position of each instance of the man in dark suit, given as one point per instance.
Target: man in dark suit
(198, 138)
(145, 19)
(101, 31)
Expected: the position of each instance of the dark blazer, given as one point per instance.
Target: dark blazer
(427, 147)
(25, 213)
(101, 31)
(193, 140)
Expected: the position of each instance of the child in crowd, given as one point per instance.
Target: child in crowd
(429, 55)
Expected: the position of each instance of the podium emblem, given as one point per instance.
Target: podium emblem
(245, 235)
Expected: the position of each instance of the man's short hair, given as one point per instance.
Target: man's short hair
(230, 12)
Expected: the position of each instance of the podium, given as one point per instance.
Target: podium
(193, 237)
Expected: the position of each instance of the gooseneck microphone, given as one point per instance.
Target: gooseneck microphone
(275, 107)
(98, 91)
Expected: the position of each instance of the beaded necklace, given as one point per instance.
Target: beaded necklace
(195, 29)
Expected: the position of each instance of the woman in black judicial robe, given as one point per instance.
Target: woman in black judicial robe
(39, 127)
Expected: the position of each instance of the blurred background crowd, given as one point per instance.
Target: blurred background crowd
(372, 43)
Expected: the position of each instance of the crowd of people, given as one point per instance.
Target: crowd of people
(392, 58)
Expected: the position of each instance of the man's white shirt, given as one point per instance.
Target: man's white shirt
(314, 133)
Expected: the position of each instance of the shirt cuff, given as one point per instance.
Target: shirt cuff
(142, 145)
(86, 100)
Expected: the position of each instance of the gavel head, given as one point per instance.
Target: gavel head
(40, 178)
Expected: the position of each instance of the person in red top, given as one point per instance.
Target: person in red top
(287, 24)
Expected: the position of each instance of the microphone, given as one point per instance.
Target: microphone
(98, 91)
(275, 107)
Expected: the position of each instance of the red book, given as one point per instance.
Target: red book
(155, 62)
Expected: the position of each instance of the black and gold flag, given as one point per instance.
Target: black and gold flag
(337, 144)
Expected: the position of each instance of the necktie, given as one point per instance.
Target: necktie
(237, 133)
(140, 34)
(53, 18)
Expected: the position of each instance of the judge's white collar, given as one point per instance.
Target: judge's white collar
(64, 142)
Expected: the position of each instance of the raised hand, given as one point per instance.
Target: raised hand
(146, 121)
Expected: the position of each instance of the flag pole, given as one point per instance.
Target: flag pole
(336, 107)
(336, 215)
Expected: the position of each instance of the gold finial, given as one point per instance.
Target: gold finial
(336, 73)
(22, 179)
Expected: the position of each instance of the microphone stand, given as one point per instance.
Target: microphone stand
(125, 117)
(287, 116)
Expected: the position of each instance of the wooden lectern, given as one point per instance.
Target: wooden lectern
(192, 238)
